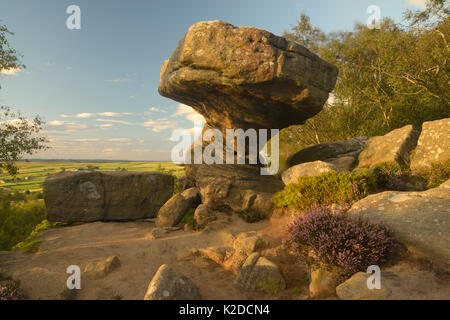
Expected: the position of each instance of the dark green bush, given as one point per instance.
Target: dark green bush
(19, 215)
(326, 189)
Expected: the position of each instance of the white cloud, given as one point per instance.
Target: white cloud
(115, 121)
(417, 3)
(153, 109)
(107, 125)
(85, 115)
(57, 125)
(101, 114)
(160, 125)
(119, 140)
(10, 72)
(87, 140)
(189, 113)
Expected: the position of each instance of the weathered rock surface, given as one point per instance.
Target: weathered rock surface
(356, 288)
(433, 145)
(328, 151)
(308, 169)
(243, 77)
(420, 220)
(174, 210)
(393, 148)
(42, 284)
(168, 284)
(323, 284)
(101, 269)
(88, 196)
(239, 187)
(260, 273)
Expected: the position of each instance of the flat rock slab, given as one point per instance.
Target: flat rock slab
(243, 77)
(88, 196)
(420, 220)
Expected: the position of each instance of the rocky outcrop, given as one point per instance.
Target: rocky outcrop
(239, 187)
(259, 273)
(243, 77)
(88, 196)
(174, 210)
(168, 284)
(356, 288)
(308, 169)
(330, 152)
(393, 148)
(420, 220)
(433, 145)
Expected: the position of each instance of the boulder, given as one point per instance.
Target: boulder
(420, 220)
(356, 288)
(88, 196)
(323, 284)
(239, 187)
(259, 273)
(174, 210)
(243, 77)
(42, 284)
(308, 169)
(328, 151)
(204, 214)
(393, 148)
(168, 284)
(433, 145)
(101, 269)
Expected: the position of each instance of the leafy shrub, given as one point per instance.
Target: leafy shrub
(336, 241)
(19, 215)
(32, 242)
(392, 177)
(9, 290)
(326, 189)
(437, 174)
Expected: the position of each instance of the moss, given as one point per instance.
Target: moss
(270, 286)
(189, 219)
(326, 189)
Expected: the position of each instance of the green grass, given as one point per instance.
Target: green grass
(37, 172)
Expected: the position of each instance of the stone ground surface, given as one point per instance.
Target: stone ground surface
(141, 256)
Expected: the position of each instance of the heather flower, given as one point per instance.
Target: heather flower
(335, 241)
(10, 291)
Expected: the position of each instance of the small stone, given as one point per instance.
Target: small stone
(356, 288)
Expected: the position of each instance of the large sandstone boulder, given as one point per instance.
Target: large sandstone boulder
(420, 220)
(433, 145)
(243, 77)
(356, 288)
(330, 152)
(88, 196)
(168, 284)
(239, 187)
(393, 148)
(259, 273)
(174, 210)
(308, 169)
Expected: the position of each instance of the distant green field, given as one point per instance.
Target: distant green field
(32, 174)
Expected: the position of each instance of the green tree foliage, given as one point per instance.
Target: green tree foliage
(17, 134)
(388, 77)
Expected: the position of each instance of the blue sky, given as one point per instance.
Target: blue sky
(97, 88)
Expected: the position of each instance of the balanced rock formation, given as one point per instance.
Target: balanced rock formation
(243, 77)
(420, 220)
(89, 196)
(433, 145)
(393, 148)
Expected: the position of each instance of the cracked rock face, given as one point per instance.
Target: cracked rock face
(243, 77)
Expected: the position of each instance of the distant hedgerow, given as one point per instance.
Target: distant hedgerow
(329, 240)
(326, 189)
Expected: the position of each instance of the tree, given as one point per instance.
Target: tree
(388, 78)
(17, 134)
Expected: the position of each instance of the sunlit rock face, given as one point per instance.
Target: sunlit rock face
(243, 77)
